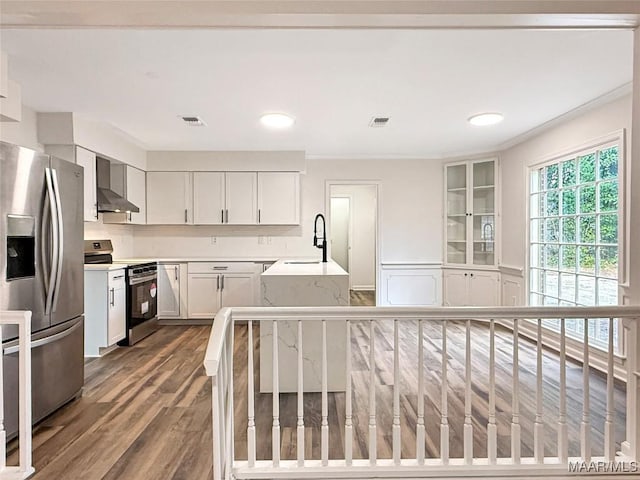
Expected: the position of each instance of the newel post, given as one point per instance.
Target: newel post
(631, 446)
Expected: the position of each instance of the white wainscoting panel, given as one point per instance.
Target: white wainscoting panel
(512, 285)
(411, 284)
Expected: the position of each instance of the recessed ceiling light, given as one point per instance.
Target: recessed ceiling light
(484, 119)
(277, 120)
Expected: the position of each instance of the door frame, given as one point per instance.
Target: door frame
(349, 197)
(378, 237)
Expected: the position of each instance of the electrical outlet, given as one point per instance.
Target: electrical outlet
(214, 240)
(260, 240)
(268, 240)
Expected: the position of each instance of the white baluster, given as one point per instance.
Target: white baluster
(300, 429)
(324, 426)
(275, 429)
(420, 430)
(515, 397)
(229, 406)
(348, 423)
(24, 395)
(538, 426)
(251, 423)
(563, 431)
(492, 430)
(396, 396)
(609, 428)
(372, 394)
(468, 427)
(585, 425)
(444, 421)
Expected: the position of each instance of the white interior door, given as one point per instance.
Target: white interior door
(340, 214)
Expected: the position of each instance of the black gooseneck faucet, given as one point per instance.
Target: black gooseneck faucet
(322, 245)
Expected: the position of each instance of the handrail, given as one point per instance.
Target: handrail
(224, 317)
(25, 468)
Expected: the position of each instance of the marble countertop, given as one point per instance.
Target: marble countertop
(90, 267)
(285, 267)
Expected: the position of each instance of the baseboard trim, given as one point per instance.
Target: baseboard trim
(186, 321)
(364, 288)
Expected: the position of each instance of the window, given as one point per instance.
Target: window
(574, 236)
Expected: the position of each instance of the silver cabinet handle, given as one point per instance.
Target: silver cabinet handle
(220, 268)
(118, 276)
(175, 268)
(222, 215)
(258, 215)
(218, 283)
(130, 217)
(222, 287)
(227, 213)
(113, 297)
(185, 216)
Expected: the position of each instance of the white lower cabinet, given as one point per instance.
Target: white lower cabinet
(172, 290)
(471, 287)
(105, 307)
(213, 285)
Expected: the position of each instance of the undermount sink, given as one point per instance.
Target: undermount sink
(301, 262)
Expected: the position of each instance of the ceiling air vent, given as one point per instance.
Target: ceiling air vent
(379, 122)
(193, 121)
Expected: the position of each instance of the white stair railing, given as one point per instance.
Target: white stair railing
(25, 468)
(219, 364)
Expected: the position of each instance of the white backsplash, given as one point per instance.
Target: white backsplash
(122, 236)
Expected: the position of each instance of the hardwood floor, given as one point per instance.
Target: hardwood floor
(145, 412)
(362, 298)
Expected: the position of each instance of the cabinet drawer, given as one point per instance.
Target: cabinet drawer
(221, 267)
(116, 278)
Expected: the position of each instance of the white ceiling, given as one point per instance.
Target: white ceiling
(333, 81)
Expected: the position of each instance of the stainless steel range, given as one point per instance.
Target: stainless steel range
(142, 290)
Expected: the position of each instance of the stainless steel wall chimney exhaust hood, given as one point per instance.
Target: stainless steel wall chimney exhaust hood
(108, 199)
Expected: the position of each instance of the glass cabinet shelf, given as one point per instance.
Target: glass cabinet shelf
(470, 190)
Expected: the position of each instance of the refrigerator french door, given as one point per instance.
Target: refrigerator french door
(41, 269)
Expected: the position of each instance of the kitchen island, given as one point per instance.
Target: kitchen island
(295, 283)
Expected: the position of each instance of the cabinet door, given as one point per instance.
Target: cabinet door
(117, 310)
(169, 291)
(204, 295)
(483, 208)
(137, 194)
(240, 198)
(169, 198)
(278, 198)
(87, 160)
(208, 198)
(484, 289)
(238, 290)
(456, 287)
(457, 213)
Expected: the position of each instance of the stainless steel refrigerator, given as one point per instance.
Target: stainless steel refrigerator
(41, 269)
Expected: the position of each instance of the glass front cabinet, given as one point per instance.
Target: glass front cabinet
(470, 190)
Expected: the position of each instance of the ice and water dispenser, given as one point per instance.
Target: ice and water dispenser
(21, 247)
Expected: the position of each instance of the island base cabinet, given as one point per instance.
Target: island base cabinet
(477, 288)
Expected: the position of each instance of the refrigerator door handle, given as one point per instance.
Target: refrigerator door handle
(53, 275)
(56, 188)
(44, 341)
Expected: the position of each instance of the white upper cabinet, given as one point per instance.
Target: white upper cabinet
(87, 160)
(241, 207)
(208, 198)
(471, 213)
(137, 194)
(169, 198)
(278, 198)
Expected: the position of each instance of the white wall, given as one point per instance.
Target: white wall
(24, 133)
(515, 162)
(411, 217)
(363, 231)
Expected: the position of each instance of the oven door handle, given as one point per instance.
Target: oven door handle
(138, 280)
